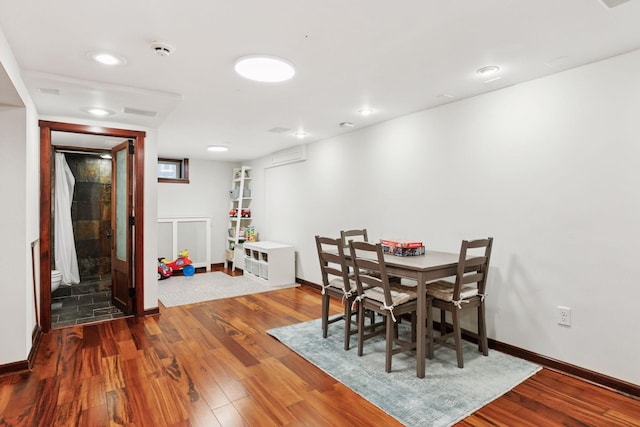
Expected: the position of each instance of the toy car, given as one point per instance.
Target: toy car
(244, 213)
(183, 262)
(164, 270)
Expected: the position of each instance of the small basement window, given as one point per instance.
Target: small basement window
(173, 170)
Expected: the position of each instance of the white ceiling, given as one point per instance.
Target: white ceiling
(397, 57)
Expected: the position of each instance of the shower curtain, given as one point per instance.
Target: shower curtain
(66, 259)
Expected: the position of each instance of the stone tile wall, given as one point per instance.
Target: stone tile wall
(91, 214)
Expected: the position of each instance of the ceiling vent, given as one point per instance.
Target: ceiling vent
(49, 91)
(278, 130)
(139, 112)
(162, 48)
(613, 3)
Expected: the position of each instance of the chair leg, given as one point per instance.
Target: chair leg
(429, 329)
(360, 328)
(347, 323)
(457, 333)
(443, 322)
(483, 342)
(414, 320)
(325, 315)
(391, 325)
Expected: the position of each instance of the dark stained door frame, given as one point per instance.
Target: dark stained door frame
(46, 128)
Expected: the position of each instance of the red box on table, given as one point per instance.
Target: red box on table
(401, 243)
(401, 247)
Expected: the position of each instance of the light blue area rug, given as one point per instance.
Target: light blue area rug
(181, 290)
(446, 395)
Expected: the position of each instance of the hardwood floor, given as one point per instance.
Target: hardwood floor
(212, 364)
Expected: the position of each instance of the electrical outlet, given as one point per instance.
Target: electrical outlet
(564, 316)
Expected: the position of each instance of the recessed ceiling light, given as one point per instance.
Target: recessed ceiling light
(346, 125)
(366, 111)
(265, 68)
(488, 70)
(300, 134)
(106, 58)
(218, 148)
(98, 111)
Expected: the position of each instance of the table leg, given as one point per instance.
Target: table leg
(421, 319)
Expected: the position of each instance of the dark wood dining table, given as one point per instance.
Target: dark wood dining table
(423, 268)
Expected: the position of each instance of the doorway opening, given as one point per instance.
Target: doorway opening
(126, 249)
(87, 296)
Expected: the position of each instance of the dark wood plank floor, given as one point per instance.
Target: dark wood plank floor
(212, 364)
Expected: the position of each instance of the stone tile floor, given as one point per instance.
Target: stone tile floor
(89, 301)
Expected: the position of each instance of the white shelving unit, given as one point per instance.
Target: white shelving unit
(270, 263)
(240, 195)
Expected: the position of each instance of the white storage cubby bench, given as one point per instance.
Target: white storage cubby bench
(269, 262)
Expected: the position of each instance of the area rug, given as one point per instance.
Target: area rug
(446, 395)
(180, 290)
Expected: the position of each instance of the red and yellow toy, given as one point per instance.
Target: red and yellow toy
(183, 262)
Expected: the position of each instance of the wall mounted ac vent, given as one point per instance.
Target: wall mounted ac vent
(290, 155)
(613, 3)
(139, 112)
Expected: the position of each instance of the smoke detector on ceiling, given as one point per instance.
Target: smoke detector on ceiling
(162, 48)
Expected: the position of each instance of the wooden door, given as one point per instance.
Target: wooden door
(122, 223)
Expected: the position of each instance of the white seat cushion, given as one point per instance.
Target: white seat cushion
(338, 283)
(397, 297)
(443, 290)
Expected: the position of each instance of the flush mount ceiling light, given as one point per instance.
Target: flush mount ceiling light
(218, 148)
(488, 70)
(98, 111)
(106, 58)
(365, 111)
(265, 68)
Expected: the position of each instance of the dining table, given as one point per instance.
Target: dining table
(425, 268)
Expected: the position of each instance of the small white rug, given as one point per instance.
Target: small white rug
(180, 290)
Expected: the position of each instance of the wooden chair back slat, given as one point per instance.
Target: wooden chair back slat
(473, 269)
(356, 235)
(332, 261)
(368, 262)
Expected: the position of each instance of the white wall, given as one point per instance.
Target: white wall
(206, 195)
(18, 222)
(549, 168)
(150, 219)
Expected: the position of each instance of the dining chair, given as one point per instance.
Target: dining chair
(376, 293)
(336, 283)
(362, 236)
(355, 234)
(467, 292)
